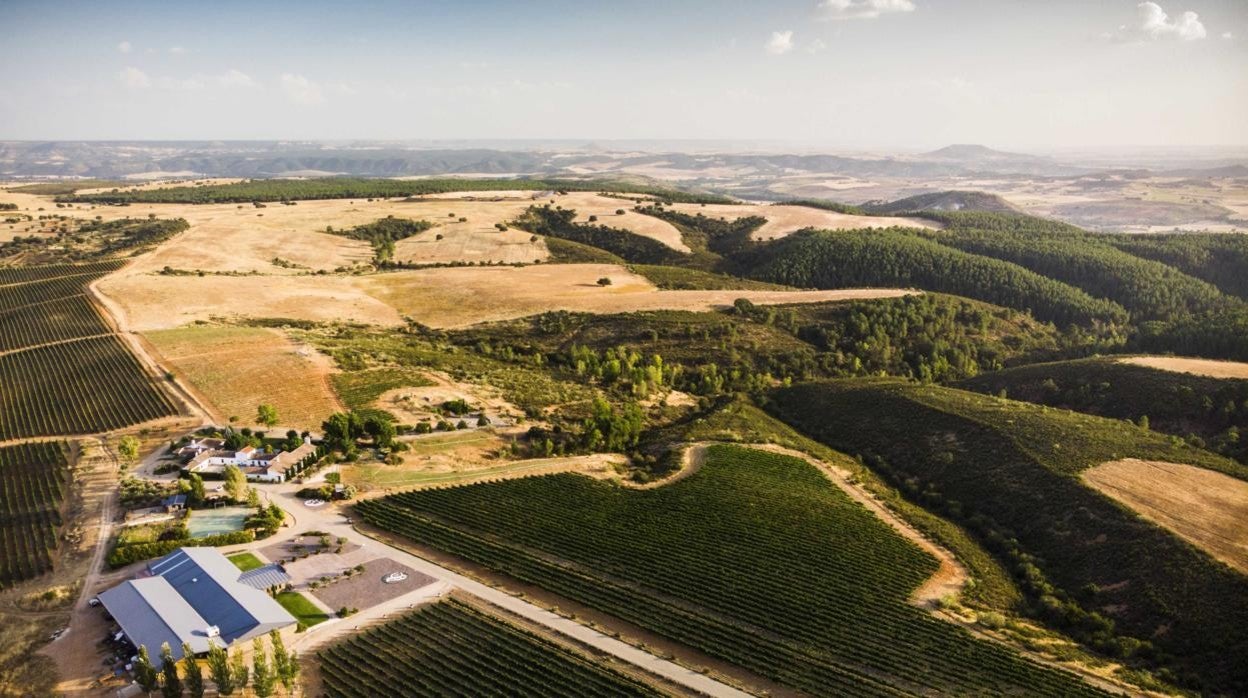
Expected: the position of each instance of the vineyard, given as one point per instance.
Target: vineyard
(62, 370)
(53, 321)
(33, 479)
(757, 560)
(79, 387)
(14, 275)
(450, 648)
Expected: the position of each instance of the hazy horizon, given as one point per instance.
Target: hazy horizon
(848, 75)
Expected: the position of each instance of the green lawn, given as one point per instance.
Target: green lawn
(246, 561)
(299, 606)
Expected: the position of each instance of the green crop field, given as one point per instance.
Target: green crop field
(757, 560)
(450, 648)
(1008, 471)
(33, 479)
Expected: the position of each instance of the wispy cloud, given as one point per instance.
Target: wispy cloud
(177, 50)
(781, 42)
(816, 46)
(124, 47)
(134, 79)
(301, 90)
(861, 9)
(235, 78)
(1228, 36)
(1152, 24)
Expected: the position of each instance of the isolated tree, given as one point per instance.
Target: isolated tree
(128, 448)
(239, 673)
(219, 669)
(285, 663)
(172, 685)
(593, 219)
(192, 674)
(267, 415)
(1144, 422)
(263, 678)
(195, 491)
(381, 429)
(235, 483)
(532, 238)
(604, 281)
(144, 673)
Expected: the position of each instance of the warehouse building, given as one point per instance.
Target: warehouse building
(196, 596)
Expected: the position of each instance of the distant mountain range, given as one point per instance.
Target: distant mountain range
(256, 159)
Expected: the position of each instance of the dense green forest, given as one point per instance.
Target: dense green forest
(1149, 290)
(1208, 412)
(899, 257)
(1006, 470)
(358, 188)
(931, 337)
(1218, 258)
(711, 239)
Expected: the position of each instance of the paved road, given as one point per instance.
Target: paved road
(330, 519)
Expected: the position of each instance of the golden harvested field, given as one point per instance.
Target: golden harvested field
(439, 297)
(783, 220)
(459, 297)
(1206, 508)
(471, 242)
(239, 368)
(1199, 367)
(155, 302)
(604, 207)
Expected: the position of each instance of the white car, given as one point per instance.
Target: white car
(314, 502)
(394, 577)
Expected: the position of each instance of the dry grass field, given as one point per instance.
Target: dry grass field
(155, 302)
(459, 297)
(605, 207)
(471, 242)
(238, 368)
(783, 220)
(1201, 506)
(1198, 367)
(439, 297)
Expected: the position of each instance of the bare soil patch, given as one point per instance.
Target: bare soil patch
(239, 368)
(366, 589)
(1198, 367)
(412, 405)
(1204, 507)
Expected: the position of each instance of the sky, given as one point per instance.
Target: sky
(847, 74)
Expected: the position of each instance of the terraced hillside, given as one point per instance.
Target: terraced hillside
(1009, 472)
(452, 648)
(756, 559)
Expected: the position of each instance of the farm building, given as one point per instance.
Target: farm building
(258, 465)
(196, 596)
